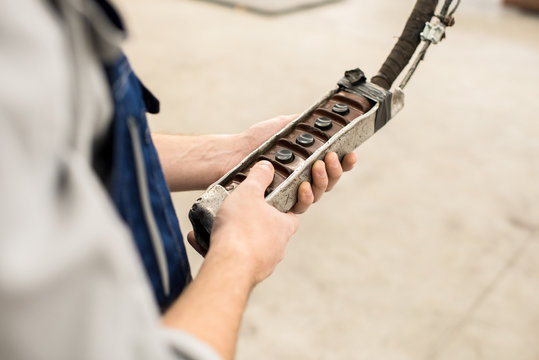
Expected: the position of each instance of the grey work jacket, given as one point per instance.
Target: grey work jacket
(71, 283)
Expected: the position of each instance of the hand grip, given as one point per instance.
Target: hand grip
(340, 122)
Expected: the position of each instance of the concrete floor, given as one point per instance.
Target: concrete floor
(429, 249)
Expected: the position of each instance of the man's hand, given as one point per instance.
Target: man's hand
(249, 237)
(195, 162)
(248, 240)
(325, 174)
(250, 232)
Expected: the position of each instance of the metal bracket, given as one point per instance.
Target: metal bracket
(397, 101)
(434, 31)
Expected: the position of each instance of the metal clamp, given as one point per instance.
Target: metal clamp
(434, 31)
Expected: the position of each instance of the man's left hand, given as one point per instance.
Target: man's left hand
(325, 174)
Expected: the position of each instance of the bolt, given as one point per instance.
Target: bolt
(305, 139)
(341, 109)
(284, 156)
(323, 123)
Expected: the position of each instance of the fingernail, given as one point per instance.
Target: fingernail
(334, 160)
(320, 167)
(266, 164)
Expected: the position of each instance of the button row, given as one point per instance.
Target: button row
(341, 109)
(305, 139)
(286, 156)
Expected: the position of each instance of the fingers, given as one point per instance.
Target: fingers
(262, 131)
(334, 169)
(272, 126)
(305, 198)
(191, 239)
(349, 161)
(320, 179)
(286, 119)
(259, 178)
(325, 175)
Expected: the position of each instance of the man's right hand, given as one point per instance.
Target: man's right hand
(247, 231)
(248, 240)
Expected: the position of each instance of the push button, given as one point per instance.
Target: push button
(323, 123)
(284, 156)
(305, 139)
(341, 109)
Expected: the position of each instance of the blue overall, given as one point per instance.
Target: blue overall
(137, 186)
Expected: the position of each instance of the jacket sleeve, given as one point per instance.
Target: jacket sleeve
(71, 283)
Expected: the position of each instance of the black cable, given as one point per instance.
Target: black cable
(445, 7)
(407, 44)
(452, 12)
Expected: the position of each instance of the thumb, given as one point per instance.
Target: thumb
(259, 178)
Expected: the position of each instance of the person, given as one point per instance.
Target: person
(83, 188)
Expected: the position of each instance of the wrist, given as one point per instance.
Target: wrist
(232, 251)
(195, 162)
(232, 266)
(211, 307)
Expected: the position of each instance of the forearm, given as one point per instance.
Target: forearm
(211, 307)
(249, 239)
(195, 162)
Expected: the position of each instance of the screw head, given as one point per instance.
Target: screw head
(341, 109)
(305, 139)
(284, 156)
(323, 123)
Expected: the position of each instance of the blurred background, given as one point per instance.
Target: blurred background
(429, 249)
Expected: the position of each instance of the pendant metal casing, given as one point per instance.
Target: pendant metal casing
(350, 113)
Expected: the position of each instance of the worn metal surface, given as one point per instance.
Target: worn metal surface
(282, 193)
(347, 139)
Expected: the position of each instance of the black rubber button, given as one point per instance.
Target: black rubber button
(323, 123)
(341, 109)
(305, 139)
(284, 156)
